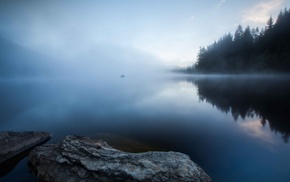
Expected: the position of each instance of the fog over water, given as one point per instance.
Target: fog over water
(100, 69)
(224, 123)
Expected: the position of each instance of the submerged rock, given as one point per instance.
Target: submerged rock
(13, 143)
(85, 159)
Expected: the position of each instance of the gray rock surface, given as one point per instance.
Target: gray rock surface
(84, 159)
(13, 143)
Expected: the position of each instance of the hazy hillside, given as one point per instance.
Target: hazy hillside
(18, 61)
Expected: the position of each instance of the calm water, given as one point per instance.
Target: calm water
(236, 129)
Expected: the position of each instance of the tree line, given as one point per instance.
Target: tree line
(249, 50)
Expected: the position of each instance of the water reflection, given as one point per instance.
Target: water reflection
(256, 130)
(161, 114)
(265, 98)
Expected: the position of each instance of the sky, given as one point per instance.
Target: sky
(170, 31)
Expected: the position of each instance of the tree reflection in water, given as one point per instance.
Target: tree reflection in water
(268, 98)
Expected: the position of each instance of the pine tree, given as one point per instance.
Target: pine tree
(238, 34)
(250, 49)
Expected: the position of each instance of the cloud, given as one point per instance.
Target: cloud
(256, 129)
(261, 12)
(221, 2)
(192, 18)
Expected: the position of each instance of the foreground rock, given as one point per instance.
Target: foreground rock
(13, 143)
(84, 159)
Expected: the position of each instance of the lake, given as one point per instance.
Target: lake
(235, 127)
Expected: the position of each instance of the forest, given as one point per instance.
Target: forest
(249, 50)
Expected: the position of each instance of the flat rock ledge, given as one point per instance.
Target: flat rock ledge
(13, 143)
(84, 159)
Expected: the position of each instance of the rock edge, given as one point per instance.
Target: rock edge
(84, 159)
(13, 143)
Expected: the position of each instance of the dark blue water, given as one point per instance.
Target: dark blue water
(236, 129)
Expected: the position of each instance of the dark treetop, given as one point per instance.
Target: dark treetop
(249, 50)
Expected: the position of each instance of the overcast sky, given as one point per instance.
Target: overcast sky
(170, 30)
